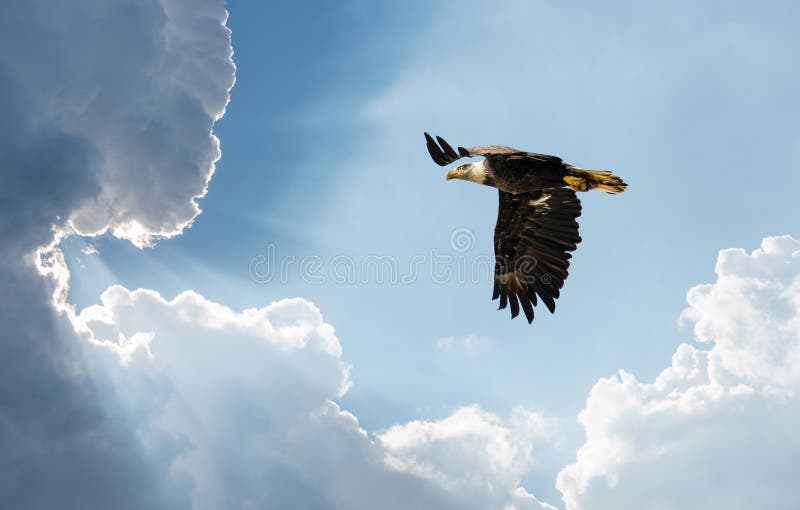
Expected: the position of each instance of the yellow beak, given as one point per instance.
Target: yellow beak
(453, 174)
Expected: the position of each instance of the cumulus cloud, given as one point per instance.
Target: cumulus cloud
(717, 429)
(132, 134)
(249, 399)
(472, 453)
(108, 108)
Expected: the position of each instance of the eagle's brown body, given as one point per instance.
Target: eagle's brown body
(512, 173)
(536, 220)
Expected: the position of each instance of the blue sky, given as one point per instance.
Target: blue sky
(694, 105)
(683, 101)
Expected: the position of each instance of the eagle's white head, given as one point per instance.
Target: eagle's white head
(475, 172)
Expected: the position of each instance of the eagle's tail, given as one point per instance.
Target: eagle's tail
(581, 179)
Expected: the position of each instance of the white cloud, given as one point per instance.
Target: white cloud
(472, 453)
(717, 429)
(251, 396)
(470, 344)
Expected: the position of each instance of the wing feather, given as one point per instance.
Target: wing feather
(443, 153)
(448, 150)
(533, 237)
(512, 298)
(438, 155)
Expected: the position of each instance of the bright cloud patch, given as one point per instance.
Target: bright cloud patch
(717, 429)
(472, 453)
(247, 400)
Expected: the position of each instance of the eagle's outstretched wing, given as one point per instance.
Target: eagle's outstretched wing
(443, 153)
(532, 238)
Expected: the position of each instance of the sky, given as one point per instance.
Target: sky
(211, 213)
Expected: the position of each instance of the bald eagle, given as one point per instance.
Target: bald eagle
(536, 221)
